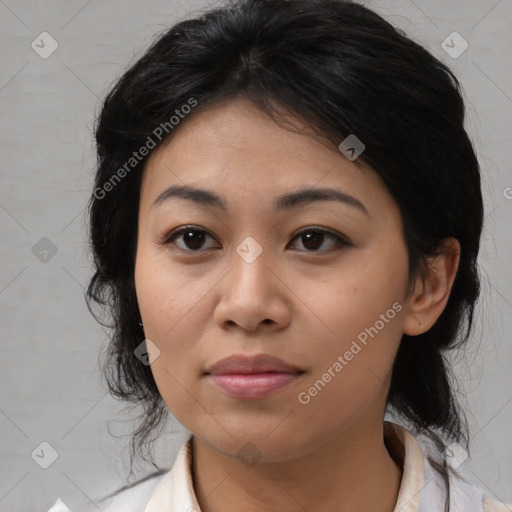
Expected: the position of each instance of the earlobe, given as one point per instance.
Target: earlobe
(432, 290)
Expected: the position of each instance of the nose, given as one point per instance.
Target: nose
(253, 296)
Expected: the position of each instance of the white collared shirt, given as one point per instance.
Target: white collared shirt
(421, 488)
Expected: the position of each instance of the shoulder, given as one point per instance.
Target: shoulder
(492, 505)
(148, 493)
(132, 498)
(467, 493)
(464, 493)
(425, 462)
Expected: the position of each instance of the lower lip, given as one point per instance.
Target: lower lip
(253, 385)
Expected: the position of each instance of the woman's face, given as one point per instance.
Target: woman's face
(243, 281)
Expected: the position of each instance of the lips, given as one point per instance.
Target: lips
(260, 363)
(252, 377)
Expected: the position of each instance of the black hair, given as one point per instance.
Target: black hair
(342, 69)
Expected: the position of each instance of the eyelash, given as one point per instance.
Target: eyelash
(340, 244)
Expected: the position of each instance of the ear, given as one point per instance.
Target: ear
(431, 291)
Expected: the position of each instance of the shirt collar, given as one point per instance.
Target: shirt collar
(411, 485)
(175, 492)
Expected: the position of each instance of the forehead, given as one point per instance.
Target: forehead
(236, 149)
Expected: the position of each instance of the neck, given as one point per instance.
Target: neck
(353, 471)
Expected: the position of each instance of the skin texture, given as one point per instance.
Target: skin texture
(295, 301)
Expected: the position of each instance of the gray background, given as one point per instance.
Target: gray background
(51, 389)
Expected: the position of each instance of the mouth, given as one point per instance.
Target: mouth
(253, 385)
(252, 377)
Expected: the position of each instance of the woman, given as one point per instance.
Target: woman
(285, 224)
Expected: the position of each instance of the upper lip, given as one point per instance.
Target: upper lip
(260, 363)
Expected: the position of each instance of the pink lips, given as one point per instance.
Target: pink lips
(252, 377)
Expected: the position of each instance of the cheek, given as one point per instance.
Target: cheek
(166, 295)
(163, 303)
(168, 307)
(350, 372)
(355, 296)
(360, 311)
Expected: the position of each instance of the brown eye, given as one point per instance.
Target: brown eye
(192, 239)
(313, 238)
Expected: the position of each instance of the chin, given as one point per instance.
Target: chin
(259, 443)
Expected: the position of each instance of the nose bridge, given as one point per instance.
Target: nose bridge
(250, 250)
(250, 295)
(250, 272)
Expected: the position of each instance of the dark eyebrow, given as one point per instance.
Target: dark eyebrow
(283, 202)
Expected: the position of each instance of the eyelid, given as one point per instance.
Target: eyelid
(342, 240)
(167, 238)
(321, 229)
